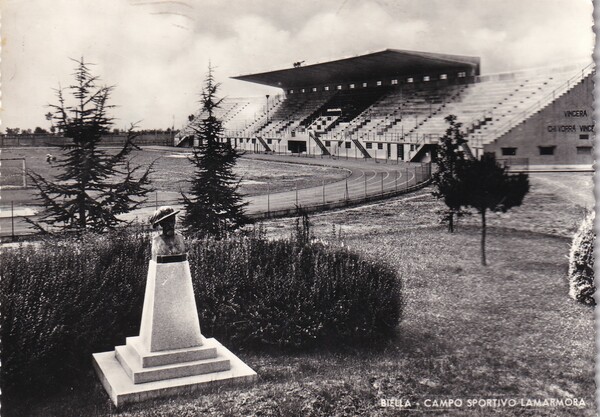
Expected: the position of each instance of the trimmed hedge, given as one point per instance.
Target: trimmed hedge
(254, 292)
(63, 300)
(581, 263)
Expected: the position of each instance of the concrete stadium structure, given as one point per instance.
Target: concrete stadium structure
(392, 104)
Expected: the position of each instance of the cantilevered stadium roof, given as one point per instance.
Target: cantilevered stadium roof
(387, 63)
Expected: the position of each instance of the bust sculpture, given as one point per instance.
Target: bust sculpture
(170, 356)
(169, 242)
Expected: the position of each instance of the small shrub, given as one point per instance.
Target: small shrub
(581, 263)
(66, 299)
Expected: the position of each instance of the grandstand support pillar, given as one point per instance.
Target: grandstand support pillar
(323, 192)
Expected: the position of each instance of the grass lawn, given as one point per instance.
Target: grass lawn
(508, 330)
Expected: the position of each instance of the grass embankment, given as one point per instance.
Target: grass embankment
(505, 331)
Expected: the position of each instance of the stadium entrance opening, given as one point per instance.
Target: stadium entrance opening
(296, 146)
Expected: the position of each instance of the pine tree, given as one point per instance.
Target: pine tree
(215, 206)
(94, 186)
(450, 159)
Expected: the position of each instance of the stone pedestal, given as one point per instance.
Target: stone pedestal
(170, 356)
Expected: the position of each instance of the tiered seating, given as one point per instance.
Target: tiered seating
(472, 104)
(371, 117)
(418, 114)
(236, 114)
(223, 112)
(248, 110)
(294, 109)
(385, 118)
(347, 105)
(253, 117)
(533, 92)
(322, 123)
(418, 107)
(352, 103)
(489, 102)
(411, 113)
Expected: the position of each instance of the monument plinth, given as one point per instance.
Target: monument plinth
(170, 356)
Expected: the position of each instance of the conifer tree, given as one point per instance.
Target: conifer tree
(93, 186)
(450, 159)
(214, 206)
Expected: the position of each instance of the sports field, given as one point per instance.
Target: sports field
(268, 183)
(171, 171)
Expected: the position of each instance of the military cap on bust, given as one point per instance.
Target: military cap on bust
(161, 214)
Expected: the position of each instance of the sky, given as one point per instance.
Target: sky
(156, 53)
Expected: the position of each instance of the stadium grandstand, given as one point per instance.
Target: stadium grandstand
(392, 105)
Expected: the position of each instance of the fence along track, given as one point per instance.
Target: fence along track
(354, 194)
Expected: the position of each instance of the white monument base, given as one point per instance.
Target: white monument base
(170, 356)
(122, 389)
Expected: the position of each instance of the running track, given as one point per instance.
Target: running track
(367, 178)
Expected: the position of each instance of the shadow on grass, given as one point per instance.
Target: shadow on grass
(275, 368)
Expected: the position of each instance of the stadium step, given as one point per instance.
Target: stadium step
(467, 150)
(361, 148)
(264, 144)
(320, 144)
